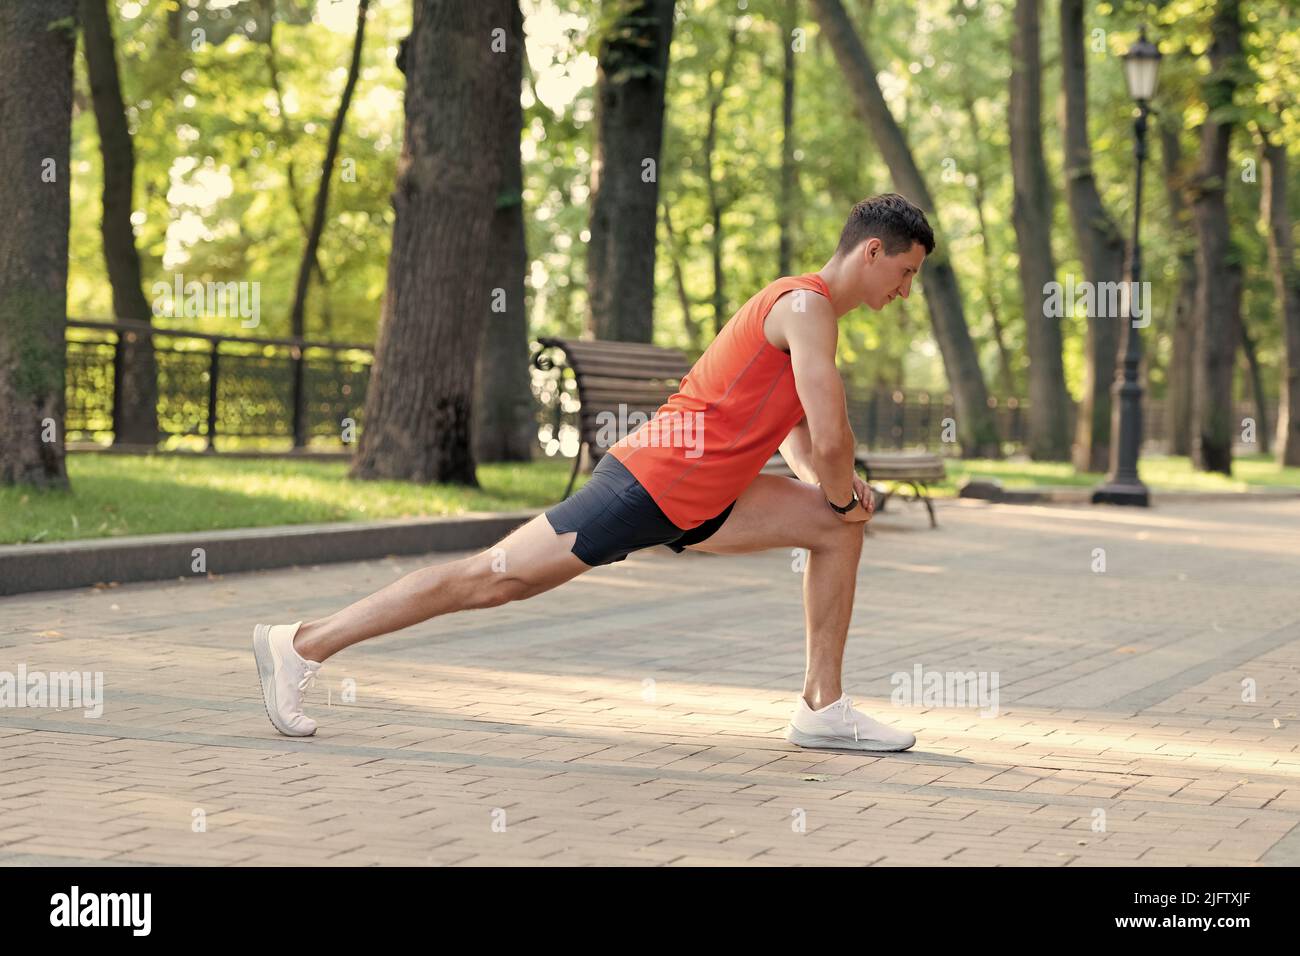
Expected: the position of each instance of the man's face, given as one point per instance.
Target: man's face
(885, 277)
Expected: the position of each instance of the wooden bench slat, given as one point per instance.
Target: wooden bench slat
(656, 356)
(592, 422)
(614, 383)
(633, 350)
(628, 369)
(613, 397)
(926, 476)
(594, 345)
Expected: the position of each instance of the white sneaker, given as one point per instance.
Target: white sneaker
(284, 675)
(843, 727)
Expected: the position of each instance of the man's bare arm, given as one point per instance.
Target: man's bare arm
(797, 452)
(811, 336)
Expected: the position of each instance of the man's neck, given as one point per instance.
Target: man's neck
(843, 298)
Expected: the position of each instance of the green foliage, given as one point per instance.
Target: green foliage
(212, 159)
(214, 149)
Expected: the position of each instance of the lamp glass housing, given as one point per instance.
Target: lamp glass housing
(1141, 67)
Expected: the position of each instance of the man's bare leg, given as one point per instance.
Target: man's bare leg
(776, 512)
(528, 561)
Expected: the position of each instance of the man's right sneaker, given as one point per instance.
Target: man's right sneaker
(284, 675)
(841, 726)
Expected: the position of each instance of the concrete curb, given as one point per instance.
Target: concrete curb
(154, 557)
(1083, 496)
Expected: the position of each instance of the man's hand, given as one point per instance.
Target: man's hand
(866, 507)
(865, 495)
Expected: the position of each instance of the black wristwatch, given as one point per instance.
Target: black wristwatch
(847, 508)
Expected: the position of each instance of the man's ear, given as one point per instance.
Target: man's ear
(872, 249)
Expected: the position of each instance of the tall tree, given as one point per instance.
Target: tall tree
(273, 69)
(632, 71)
(135, 402)
(693, 330)
(298, 311)
(1100, 244)
(286, 134)
(787, 202)
(1049, 428)
(1006, 377)
(1218, 279)
(297, 315)
(419, 404)
(713, 178)
(504, 424)
(1257, 390)
(975, 423)
(1178, 380)
(1286, 291)
(37, 45)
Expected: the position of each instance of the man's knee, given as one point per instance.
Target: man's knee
(491, 584)
(842, 537)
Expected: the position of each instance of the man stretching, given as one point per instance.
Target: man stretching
(767, 381)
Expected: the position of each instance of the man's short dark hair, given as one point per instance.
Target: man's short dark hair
(895, 221)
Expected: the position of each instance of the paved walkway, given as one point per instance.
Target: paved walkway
(635, 716)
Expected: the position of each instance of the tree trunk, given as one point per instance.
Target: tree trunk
(505, 421)
(1006, 378)
(1216, 305)
(716, 204)
(975, 424)
(788, 202)
(1100, 243)
(632, 74)
(272, 63)
(135, 400)
(297, 315)
(291, 173)
(1178, 388)
(1286, 293)
(1049, 432)
(1256, 385)
(37, 44)
(419, 417)
(693, 330)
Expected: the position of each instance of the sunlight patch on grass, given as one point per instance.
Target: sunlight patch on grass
(115, 495)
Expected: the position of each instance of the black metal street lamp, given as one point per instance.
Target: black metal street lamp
(1123, 486)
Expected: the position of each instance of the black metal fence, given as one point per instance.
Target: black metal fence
(210, 387)
(264, 392)
(905, 420)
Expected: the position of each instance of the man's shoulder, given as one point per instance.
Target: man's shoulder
(796, 308)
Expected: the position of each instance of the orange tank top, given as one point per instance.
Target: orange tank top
(733, 409)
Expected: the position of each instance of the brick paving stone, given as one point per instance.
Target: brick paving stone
(1118, 692)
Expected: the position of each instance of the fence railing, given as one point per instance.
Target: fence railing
(899, 419)
(218, 386)
(255, 390)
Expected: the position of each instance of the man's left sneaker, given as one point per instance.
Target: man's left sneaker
(284, 675)
(841, 726)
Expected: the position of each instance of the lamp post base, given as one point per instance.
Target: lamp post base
(1122, 493)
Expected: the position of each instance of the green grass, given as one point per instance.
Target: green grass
(127, 494)
(1159, 473)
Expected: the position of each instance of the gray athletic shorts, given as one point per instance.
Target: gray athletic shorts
(614, 516)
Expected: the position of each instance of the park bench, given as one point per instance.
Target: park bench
(915, 469)
(615, 380)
